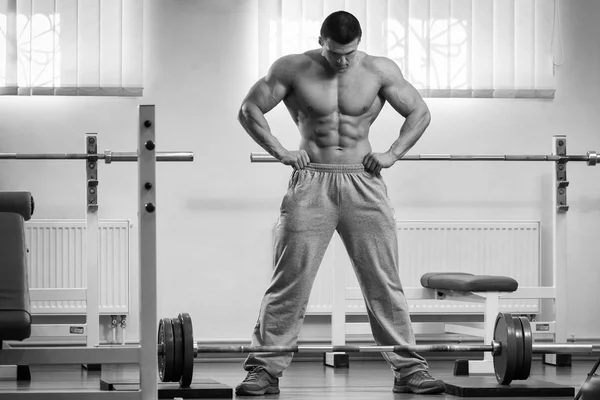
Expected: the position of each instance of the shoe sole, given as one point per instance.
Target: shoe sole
(431, 390)
(269, 390)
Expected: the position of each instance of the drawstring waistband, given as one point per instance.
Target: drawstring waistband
(337, 168)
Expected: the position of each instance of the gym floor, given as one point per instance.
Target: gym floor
(364, 380)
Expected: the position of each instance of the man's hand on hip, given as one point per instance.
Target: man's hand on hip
(297, 158)
(375, 162)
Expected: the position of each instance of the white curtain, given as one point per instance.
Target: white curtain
(71, 47)
(445, 48)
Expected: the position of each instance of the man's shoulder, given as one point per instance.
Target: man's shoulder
(386, 69)
(379, 64)
(296, 60)
(290, 65)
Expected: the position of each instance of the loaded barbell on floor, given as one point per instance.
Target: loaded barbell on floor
(512, 349)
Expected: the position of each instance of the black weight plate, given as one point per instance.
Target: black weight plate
(161, 357)
(165, 360)
(505, 362)
(527, 349)
(188, 350)
(178, 340)
(520, 346)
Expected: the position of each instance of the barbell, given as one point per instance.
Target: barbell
(512, 348)
(108, 156)
(591, 157)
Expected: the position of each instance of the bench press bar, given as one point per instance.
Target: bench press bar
(108, 156)
(591, 158)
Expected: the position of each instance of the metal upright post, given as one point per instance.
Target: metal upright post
(147, 257)
(559, 251)
(338, 310)
(92, 306)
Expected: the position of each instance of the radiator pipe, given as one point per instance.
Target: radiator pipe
(123, 326)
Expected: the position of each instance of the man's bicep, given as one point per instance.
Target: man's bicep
(264, 95)
(399, 92)
(269, 91)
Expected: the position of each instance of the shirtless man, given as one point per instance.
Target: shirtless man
(334, 94)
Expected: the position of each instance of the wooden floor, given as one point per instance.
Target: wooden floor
(364, 380)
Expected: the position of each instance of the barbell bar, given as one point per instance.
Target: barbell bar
(108, 156)
(494, 348)
(511, 348)
(591, 158)
(349, 349)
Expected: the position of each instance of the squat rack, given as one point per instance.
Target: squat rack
(144, 354)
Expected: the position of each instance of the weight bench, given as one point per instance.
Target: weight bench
(487, 289)
(15, 312)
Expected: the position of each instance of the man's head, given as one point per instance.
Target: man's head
(339, 38)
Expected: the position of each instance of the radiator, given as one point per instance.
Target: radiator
(57, 260)
(510, 248)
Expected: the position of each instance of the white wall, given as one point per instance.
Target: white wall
(215, 215)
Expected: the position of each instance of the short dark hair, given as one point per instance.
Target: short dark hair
(342, 27)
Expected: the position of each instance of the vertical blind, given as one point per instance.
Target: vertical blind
(445, 48)
(71, 47)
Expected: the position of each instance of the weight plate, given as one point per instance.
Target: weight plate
(178, 340)
(527, 349)
(165, 360)
(505, 362)
(520, 347)
(188, 350)
(161, 357)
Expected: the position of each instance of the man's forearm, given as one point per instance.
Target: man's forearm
(255, 124)
(412, 129)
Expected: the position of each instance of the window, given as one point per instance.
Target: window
(445, 48)
(71, 47)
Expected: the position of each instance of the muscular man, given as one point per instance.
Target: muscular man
(334, 94)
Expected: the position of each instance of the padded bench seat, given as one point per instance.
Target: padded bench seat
(15, 317)
(465, 282)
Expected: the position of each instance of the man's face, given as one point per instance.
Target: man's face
(339, 56)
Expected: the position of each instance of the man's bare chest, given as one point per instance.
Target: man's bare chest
(349, 94)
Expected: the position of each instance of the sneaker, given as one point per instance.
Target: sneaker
(420, 382)
(258, 382)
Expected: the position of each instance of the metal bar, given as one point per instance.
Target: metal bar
(556, 348)
(43, 156)
(264, 157)
(70, 394)
(557, 310)
(131, 354)
(563, 348)
(160, 156)
(345, 349)
(549, 348)
(109, 156)
(92, 305)
(70, 355)
(147, 251)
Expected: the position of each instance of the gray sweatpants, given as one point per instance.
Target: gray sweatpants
(321, 199)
